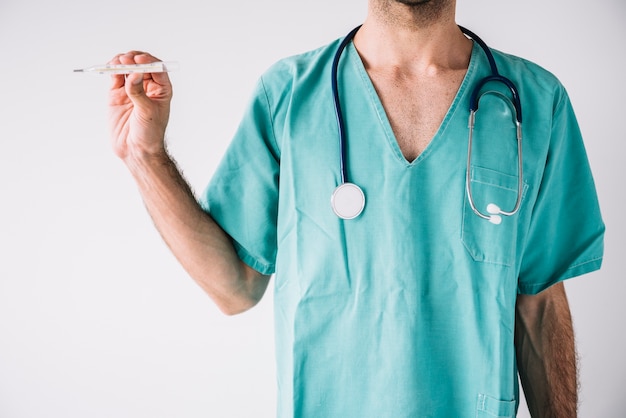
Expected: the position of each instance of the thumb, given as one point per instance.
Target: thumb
(134, 88)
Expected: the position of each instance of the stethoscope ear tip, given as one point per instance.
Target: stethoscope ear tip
(494, 211)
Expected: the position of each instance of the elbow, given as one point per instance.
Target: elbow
(235, 307)
(239, 295)
(232, 311)
(228, 302)
(246, 296)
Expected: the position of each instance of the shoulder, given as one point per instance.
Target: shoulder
(524, 67)
(531, 79)
(304, 68)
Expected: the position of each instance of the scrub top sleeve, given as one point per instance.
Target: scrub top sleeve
(566, 232)
(242, 196)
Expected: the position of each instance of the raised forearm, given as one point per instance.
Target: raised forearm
(139, 107)
(546, 353)
(202, 247)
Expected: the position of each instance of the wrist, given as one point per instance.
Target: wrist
(141, 160)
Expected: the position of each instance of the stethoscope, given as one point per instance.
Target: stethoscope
(348, 199)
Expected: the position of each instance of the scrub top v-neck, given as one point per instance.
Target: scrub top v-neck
(368, 86)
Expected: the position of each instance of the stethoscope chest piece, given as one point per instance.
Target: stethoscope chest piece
(348, 201)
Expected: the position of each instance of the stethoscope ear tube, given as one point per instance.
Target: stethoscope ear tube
(475, 97)
(483, 45)
(494, 210)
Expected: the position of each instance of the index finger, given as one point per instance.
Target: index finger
(117, 80)
(140, 57)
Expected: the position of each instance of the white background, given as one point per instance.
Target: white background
(96, 317)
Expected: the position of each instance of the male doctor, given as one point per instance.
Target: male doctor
(417, 307)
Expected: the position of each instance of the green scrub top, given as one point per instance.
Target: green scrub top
(407, 310)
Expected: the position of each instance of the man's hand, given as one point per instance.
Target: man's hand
(139, 106)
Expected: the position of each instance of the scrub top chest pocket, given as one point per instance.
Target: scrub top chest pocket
(485, 241)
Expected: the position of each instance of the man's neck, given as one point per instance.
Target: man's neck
(397, 37)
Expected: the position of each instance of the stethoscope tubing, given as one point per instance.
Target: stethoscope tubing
(338, 112)
(494, 210)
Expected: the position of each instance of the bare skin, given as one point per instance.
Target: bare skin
(416, 57)
(546, 354)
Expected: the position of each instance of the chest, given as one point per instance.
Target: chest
(416, 106)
